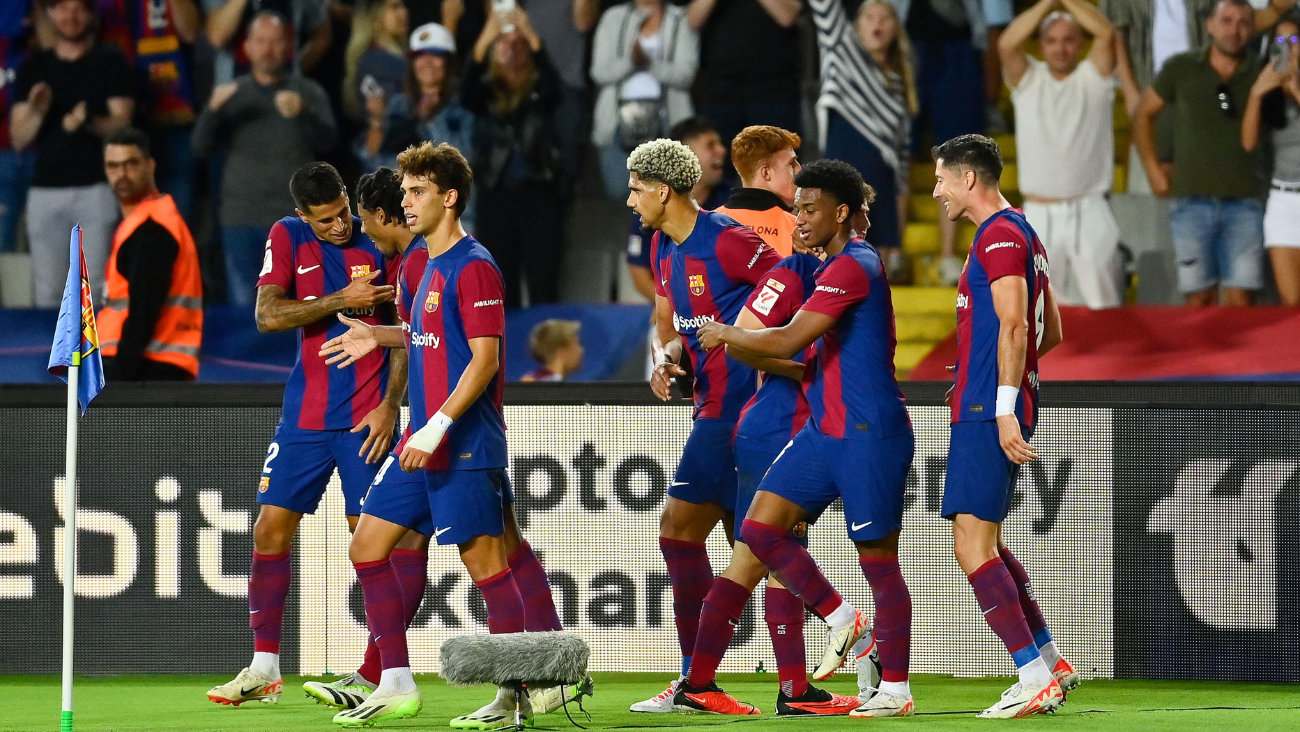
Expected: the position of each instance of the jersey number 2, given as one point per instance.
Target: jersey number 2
(271, 452)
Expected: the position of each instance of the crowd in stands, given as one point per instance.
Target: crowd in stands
(235, 95)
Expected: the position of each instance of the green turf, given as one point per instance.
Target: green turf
(178, 704)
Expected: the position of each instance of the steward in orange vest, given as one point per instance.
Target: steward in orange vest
(765, 213)
(766, 160)
(151, 327)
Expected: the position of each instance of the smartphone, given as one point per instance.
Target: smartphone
(370, 87)
(1282, 51)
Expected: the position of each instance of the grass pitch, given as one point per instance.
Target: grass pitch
(178, 704)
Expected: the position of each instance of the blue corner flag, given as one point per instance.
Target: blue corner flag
(75, 341)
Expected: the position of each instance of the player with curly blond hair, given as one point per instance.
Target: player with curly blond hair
(705, 266)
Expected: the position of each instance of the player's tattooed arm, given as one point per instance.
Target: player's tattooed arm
(277, 312)
(381, 420)
(784, 342)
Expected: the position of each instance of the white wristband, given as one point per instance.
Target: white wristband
(1007, 396)
(428, 437)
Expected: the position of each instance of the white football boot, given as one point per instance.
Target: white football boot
(1023, 701)
(249, 685)
(345, 693)
(663, 702)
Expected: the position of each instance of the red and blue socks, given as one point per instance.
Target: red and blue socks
(385, 611)
(268, 589)
(719, 617)
(1033, 613)
(505, 606)
(412, 569)
(798, 572)
(893, 626)
(784, 615)
(530, 578)
(691, 576)
(999, 598)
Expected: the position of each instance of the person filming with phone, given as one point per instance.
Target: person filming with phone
(1274, 110)
(513, 90)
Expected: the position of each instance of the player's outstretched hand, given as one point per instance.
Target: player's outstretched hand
(661, 381)
(1013, 443)
(360, 293)
(350, 347)
(380, 422)
(710, 334)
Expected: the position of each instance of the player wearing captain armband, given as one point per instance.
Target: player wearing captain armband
(455, 442)
(1006, 320)
(318, 265)
(705, 267)
(857, 444)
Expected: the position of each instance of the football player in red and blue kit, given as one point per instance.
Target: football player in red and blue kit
(857, 444)
(1006, 320)
(456, 443)
(705, 267)
(379, 209)
(317, 265)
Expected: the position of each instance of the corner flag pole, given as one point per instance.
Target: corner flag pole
(70, 539)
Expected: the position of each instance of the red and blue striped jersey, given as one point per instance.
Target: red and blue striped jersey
(410, 271)
(461, 296)
(779, 409)
(851, 387)
(705, 278)
(1005, 246)
(318, 396)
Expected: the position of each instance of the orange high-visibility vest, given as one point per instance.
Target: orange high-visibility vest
(773, 225)
(179, 331)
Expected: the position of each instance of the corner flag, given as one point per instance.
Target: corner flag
(75, 350)
(75, 341)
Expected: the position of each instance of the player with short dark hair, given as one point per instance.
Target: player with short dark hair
(705, 266)
(317, 265)
(857, 444)
(455, 440)
(379, 209)
(1006, 320)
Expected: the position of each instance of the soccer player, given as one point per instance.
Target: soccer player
(456, 442)
(767, 423)
(857, 444)
(379, 209)
(317, 265)
(705, 267)
(767, 162)
(1006, 319)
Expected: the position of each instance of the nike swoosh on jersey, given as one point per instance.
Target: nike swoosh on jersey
(858, 527)
(305, 271)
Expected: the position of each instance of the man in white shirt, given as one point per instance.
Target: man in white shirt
(1065, 145)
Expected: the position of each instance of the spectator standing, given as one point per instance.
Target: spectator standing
(1275, 104)
(749, 63)
(151, 326)
(427, 109)
(563, 26)
(557, 346)
(643, 58)
(865, 108)
(270, 123)
(948, 37)
(1216, 215)
(16, 40)
(376, 59)
(1065, 144)
(1148, 33)
(153, 34)
(513, 91)
(307, 33)
(73, 95)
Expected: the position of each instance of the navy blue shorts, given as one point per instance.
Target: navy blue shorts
(299, 464)
(399, 497)
(752, 462)
(870, 475)
(980, 478)
(464, 504)
(707, 472)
